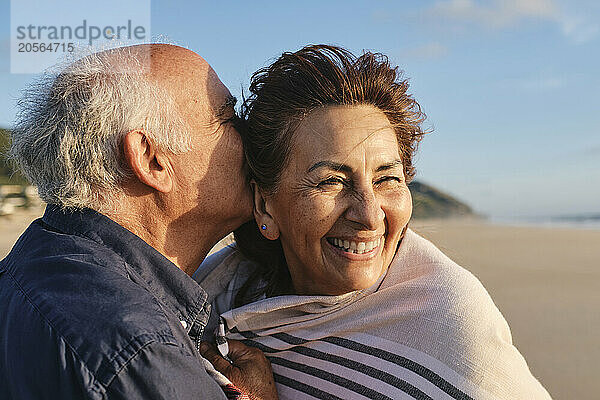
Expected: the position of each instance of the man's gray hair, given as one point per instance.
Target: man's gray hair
(68, 136)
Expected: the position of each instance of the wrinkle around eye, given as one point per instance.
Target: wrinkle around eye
(307, 188)
(393, 188)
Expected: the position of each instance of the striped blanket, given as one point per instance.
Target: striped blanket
(426, 330)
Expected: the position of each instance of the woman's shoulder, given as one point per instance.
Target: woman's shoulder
(220, 270)
(418, 258)
(419, 265)
(453, 306)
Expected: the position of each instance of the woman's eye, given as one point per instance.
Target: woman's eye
(331, 182)
(388, 179)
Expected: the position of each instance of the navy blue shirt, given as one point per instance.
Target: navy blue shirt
(88, 310)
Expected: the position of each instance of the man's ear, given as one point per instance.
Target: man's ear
(266, 223)
(149, 165)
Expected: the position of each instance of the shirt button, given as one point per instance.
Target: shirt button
(184, 324)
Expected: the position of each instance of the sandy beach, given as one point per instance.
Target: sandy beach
(544, 280)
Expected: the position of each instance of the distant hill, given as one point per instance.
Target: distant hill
(6, 171)
(429, 202)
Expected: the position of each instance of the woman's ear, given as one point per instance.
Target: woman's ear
(266, 223)
(148, 164)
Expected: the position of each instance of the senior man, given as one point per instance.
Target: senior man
(142, 170)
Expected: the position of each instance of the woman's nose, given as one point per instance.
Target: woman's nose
(365, 209)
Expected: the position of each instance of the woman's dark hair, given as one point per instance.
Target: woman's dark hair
(281, 96)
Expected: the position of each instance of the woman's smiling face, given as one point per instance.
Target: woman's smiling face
(342, 201)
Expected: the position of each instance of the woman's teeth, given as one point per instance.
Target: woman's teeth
(354, 247)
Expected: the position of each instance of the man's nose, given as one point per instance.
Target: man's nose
(365, 209)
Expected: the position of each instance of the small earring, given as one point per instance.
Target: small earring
(263, 227)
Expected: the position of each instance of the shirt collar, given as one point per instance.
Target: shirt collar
(173, 287)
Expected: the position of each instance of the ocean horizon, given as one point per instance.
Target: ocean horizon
(581, 221)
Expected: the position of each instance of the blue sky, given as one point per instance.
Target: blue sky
(511, 88)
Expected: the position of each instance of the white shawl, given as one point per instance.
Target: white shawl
(427, 329)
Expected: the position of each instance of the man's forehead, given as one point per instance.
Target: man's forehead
(193, 84)
(218, 96)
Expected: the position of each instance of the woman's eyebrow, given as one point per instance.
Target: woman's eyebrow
(390, 165)
(345, 168)
(332, 165)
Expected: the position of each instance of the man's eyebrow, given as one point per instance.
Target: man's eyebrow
(222, 112)
(331, 165)
(390, 165)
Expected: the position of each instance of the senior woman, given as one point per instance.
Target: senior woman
(328, 280)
